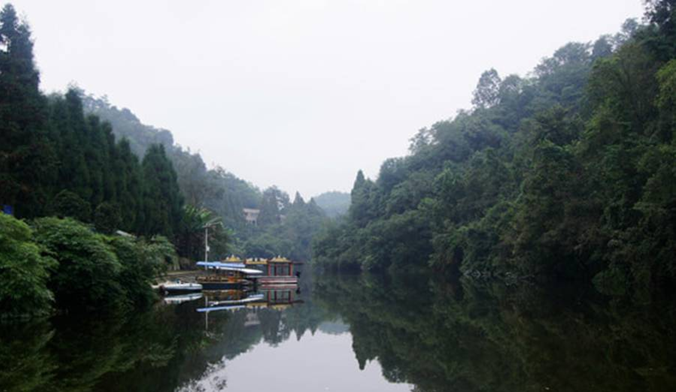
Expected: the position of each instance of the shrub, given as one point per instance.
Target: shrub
(23, 271)
(86, 271)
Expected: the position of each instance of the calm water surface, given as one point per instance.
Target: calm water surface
(355, 333)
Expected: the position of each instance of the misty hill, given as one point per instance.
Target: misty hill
(333, 203)
(127, 125)
(216, 189)
(282, 228)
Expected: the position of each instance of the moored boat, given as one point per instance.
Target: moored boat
(276, 271)
(223, 276)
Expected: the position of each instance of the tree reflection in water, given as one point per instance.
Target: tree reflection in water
(478, 336)
(466, 336)
(167, 349)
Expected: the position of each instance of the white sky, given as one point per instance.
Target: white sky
(300, 93)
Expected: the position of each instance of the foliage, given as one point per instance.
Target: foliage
(107, 218)
(162, 200)
(92, 271)
(85, 276)
(67, 264)
(159, 252)
(55, 159)
(567, 174)
(27, 159)
(138, 269)
(195, 224)
(214, 189)
(487, 93)
(69, 204)
(288, 230)
(23, 271)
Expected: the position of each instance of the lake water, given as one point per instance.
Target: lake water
(355, 333)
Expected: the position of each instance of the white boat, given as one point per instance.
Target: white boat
(179, 287)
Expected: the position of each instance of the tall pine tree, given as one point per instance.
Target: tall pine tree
(27, 159)
(162, 200)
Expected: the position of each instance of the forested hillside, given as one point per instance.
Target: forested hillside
(283, 228)
(215, 189)
(569, 172)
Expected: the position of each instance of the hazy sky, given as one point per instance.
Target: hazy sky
(300, 93)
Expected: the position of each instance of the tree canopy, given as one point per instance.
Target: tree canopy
(565, 174)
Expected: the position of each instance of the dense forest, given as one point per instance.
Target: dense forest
(566, 173)
(92, 195)
(55, 160)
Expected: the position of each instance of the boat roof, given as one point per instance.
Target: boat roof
(280, 259)
(229, 267)
(220, 264)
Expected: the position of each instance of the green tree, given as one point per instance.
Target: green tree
(23, 271)
(69, 204)
(194, 224)
(137, 270)
(129, 186)
(162, 200)
(487, 93)
(107, 218)
(272, 206)
(85, 277)
(27, 159)
(662, 14)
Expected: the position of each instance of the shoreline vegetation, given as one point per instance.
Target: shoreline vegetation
(62, 265)
(566, 174)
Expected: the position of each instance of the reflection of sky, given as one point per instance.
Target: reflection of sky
(317, 363)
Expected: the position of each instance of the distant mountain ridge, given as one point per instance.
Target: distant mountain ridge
(334, 203)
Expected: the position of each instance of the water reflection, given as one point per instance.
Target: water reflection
(406, 330)
(488, 336)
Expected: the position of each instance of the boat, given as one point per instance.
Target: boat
(276, 271)
(178, 286)
(223, 276)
